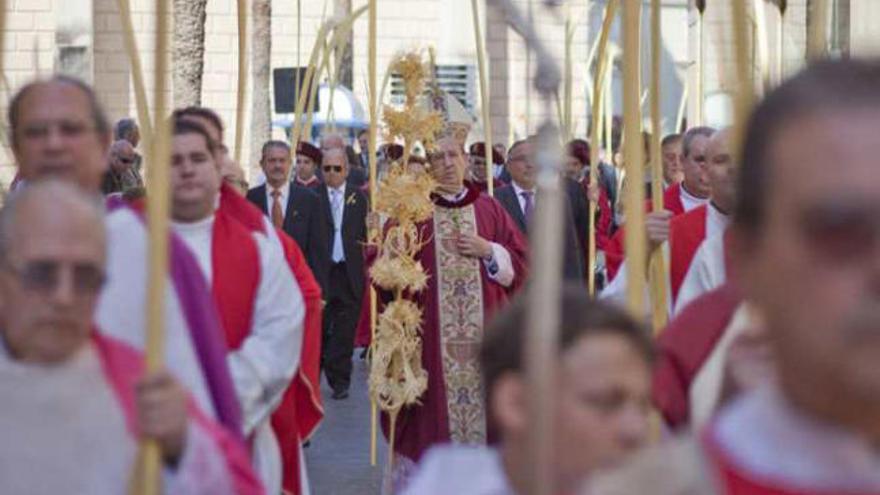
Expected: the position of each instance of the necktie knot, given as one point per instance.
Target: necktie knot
(276, 193)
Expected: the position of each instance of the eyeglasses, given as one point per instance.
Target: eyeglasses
(332, 168)
(67, 128)
(43, 276)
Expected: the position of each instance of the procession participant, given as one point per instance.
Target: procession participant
(260, 306)
(691, 193)
(301, 410)
(519, 199)
(308, 164)
(805, 254)
(58, 130)
(472, 242)
(121, 174)
(77, 402)
(345, 210)
(688, 231)
(601, 402)
(477, 171)
(357, 176)
(292, 208)
(578, 167)
(670, 149)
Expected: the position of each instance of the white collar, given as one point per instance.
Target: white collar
(455, 198)
(769, 438)
(688, 196)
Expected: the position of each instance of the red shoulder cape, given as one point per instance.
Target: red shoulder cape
(686, 233)
(301, 409)
(614, 247)
(124, 366)
(683, 347)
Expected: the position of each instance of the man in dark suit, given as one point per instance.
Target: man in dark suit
(518, 199)
(357, 177)
(344, 211)
(294, 209)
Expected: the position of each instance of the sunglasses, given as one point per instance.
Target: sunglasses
(43, 276)
(332, 168)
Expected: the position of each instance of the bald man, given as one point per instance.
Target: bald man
(59, 131)
(65, 386)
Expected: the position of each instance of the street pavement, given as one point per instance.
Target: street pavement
(338, 458)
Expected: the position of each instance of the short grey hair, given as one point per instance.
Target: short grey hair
(339, 151)
(693, 133)
(123, 128)
(62, 195)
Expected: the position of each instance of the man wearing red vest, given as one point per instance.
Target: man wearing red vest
(807, 257)
(301, 410)
(688, 231)
(678, 199)
(262, 324)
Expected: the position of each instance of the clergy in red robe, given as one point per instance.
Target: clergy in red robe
(805, 256)
(577, 168)
(301, 410)
(77, 403)
(475, 260)
(679, 198)
(260, 305)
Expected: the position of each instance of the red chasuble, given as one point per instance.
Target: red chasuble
(458, 302)
(684, 346)
(301, 409)
(614, 248)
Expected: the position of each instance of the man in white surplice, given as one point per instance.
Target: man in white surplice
(264, 359)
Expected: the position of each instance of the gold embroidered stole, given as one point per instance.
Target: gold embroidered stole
(460, 312)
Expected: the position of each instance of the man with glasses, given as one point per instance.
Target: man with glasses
(345, 212)
(475, 259)
(76, 403)
(59, 131)
(121, 175)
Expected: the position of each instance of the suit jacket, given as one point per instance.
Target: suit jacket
(574, 265)
(303, 222)
(354, 232)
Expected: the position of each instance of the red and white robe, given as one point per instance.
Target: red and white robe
(262, 312)
(686, 233)
(301, 410)
(71, 428)
(676, 199)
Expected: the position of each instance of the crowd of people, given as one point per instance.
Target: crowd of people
(764, 381)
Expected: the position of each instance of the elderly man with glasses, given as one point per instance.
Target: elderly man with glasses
(121, 176)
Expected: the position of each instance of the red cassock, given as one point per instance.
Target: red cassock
(605, 219)
(684, 346)
(614, 248)
(301, 409)
(464, 301)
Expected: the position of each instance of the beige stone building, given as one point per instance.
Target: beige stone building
(84, 38)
